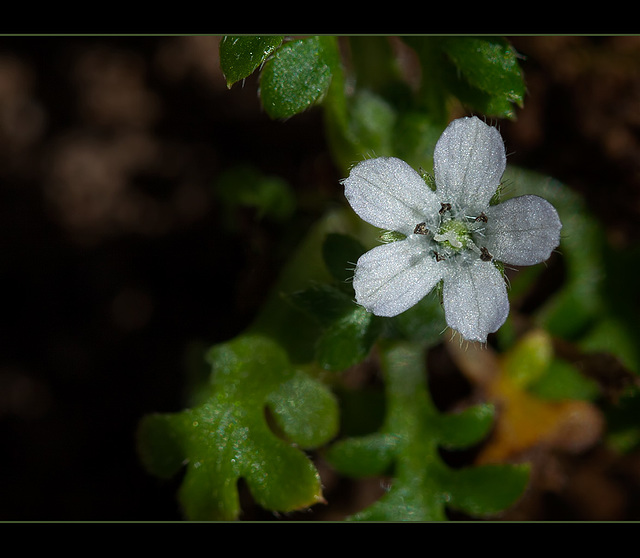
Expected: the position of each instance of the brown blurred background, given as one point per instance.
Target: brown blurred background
(114, 263)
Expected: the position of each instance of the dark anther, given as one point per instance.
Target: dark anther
(421, 228)
(444, 207)
(439, 258)
(484, 255)
(482, 217)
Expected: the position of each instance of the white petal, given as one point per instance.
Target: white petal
(391, 278)
(389, 194)
(522, 231)
(475, 299)
(469, 160)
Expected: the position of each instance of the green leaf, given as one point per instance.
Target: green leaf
(409, 442)
(228, 436)
(489, 64)
(368, 455)
(296, 406)
(241, 55)
(349, 331)
(348, 340)
(468, 427)
(298, 75)
(323, 302)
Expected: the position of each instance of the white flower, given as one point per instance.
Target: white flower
(452, 234)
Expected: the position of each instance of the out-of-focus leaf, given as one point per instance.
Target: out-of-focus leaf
(526, 422)
(298, 75)
(423, 323)
(228, 438)
(241, 55)
(529, 359)
(407, 447)
(571, 311)
(415, 137)
(623, 433)
(562, 380)
(372, 120)
(374, 62)
(340, 253)
(372, 454)
(244, 186)
(487, 489)
(468, 427)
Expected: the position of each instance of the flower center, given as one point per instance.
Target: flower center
(453, 235)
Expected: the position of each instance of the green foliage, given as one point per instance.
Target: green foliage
(407, 448)
(268, 397)
(227, 437)
(383, 114)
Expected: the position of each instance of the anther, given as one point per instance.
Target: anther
(482, 217)
(421, 228)
(484, 255)
(444, 207)
(439, 257)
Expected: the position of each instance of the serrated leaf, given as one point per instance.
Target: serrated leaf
(298, 75)
(228, 438)
(241, 55)
(489, 64)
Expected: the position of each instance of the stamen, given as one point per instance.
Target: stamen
(421, 228)
(484, 255)
(444, 207)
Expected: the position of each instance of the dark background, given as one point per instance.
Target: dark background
(115, 266)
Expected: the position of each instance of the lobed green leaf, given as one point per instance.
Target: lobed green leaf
(228, 437)
(407, 445)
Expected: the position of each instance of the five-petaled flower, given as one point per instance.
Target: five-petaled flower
(453, 234)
